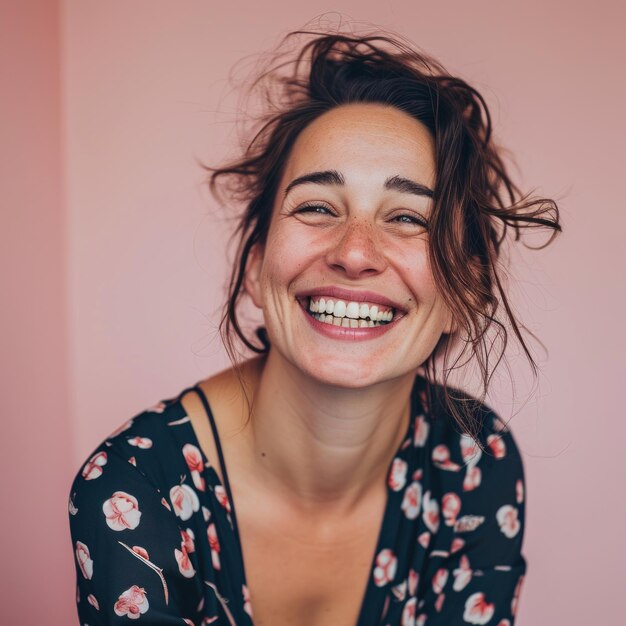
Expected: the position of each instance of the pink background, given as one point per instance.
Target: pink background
(112, 267)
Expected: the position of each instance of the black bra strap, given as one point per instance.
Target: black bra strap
(218, 445)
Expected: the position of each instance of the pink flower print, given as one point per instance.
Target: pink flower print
(133, 461)
(165, 503)
(188, 622)
(399, 590)
(421, 619)
(185, 566)
(247, 607)
(122, 511)
(450, 507)
(462, 574)
(84, 560)
(93, 601)
(188, 538)
(413, 580)
(397, 475)
(441, 458)
(477, 609)
(193, 458)
(206, 514)
(142, 552)
(507, 519)
(125, 426)
(412, 501)
(439, 602)
(385, 568)
(473, 477)
(132, 603)
(519, 491)
(184, 500)
(516, 594)
(504, 622)
(430, 513)
(222, 497)
(424, 539)
(457, 544)
(70, 506)
(440, 579)
(497, 446)
(421, 431)
(93, 467)
(141, 442)
(214, 544)
(470, 450)
(408, 613)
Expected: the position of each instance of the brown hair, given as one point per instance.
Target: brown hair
(474, 203)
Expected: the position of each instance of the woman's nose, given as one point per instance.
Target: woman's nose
(357, 250)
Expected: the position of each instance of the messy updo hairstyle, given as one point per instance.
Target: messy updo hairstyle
(474, 203)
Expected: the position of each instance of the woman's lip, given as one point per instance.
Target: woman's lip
(348, 295)
(352, 334)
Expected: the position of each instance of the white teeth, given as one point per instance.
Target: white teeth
(352, 310)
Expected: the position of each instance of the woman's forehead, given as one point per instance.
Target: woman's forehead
(366, 140)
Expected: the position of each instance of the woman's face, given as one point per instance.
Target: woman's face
(357, 227)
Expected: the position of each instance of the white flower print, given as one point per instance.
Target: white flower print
(477, 609)
(141, 442)
(440, 579)
(441, 458)
(121, 511)
(93, 467)
(84, 560)
(519, 491)
(133, 603)
(214, 544)
(424, 539)
(504, 622)
(159, 407)
(497, 446)
(385, 568)
(422, 427)
(450, 507)
(397, 474)
(142, 552)
(470, 450)
(193, 458)
(462, 574)
(93, 601)
(457, 544)
(473, 477)
(507, 520)
(184, 500)
(412, 501)
(185, 566)
(408, 613)
(222, 497)
(430, 513)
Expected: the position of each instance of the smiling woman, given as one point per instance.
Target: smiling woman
(367, 492)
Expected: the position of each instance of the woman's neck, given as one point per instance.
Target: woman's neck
(322, 447)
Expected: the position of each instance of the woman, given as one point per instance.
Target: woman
(331, 479)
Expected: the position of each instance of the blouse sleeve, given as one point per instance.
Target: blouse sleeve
(479, 579)
(132, 558)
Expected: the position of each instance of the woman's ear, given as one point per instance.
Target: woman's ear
(252, 276)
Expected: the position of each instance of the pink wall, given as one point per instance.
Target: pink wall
(36, 445)
(144, 91)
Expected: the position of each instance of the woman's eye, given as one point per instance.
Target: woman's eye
(412, 220)
(312, 208)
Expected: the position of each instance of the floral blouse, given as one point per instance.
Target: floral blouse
(155, 535)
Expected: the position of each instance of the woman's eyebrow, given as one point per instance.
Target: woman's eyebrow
(333, 177)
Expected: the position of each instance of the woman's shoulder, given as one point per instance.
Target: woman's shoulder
(146, 445)
(483, 452)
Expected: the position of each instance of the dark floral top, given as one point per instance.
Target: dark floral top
(155, 535)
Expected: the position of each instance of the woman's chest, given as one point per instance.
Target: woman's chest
(309, 579)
